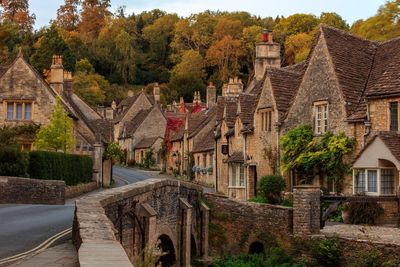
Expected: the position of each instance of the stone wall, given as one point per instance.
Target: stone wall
(31, 191)
(306, 206)
(235, 224)
(77, 190)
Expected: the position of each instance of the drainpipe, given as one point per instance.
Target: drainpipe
(367, 125)
(216, 163)
(245, 165)
(278, 154)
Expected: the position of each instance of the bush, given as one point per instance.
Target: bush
(73, 169)
(364, 212)
(13, 162)
(276, 257)
(270, 188)
(148, 160)
(327, 251)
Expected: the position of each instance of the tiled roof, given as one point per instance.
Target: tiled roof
(132, 125)
(3, 69)
(147, 142)
(352, 58)
(209, 116)
(104, 127)
(385, 75)
(236, 157)
(247, 108)
(231, 108)
(392, 141)
(207, 143)
(284, 85)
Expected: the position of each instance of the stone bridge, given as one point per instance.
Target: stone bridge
(114, 227)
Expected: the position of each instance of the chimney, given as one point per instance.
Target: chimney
(68, 82)
(182, 103)
(156, 92)
(234, 88)
(114, 105)
(267, 54)
(56, 80)
(211, 95)
(130, 93)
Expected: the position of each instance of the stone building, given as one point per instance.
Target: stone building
(29, 99)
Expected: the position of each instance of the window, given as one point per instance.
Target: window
(394, 116)
(204, 160)
(321, 118)
(374, 181)
(19, 111)
(266, 121)
(237, 178)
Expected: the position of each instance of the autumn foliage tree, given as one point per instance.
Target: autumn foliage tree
(68, 16)
(17, 11)
(93, 17)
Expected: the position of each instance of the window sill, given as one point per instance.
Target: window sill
(7, 120)
(236, 187)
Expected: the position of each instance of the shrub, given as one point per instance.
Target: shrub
(270, 187)
(13, 162)
(72, 169)
(326, 251)
(258, 199)
(364, 212)
(148, 160)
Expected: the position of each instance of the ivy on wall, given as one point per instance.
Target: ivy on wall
(309, 155)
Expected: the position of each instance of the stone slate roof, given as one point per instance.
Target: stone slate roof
(132, 125)
(352, 58)
(127, 103)
(231, 108)
(3, 69)
(236, 157)
(385, 73)
(146, 142)
(207, 143)
(284, 86)
(247, 108)
(209, 117)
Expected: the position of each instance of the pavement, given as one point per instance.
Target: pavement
(23, 227)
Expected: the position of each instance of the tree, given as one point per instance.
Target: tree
(17, 11)
(383, 26)
(225, 55)
(334, 20)
(227, 27)
(294, 24)
(251, 35)
(51, 43)
(125, 53)
(58, 134)
(93, 18)
(297, 47)
(68, 16)
(89, 85)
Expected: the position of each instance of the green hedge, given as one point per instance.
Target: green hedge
(13, 162)
(73, 169)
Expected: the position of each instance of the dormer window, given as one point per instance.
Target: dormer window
(321, 117)
(266, 120)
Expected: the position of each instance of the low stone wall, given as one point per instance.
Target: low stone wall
(15, 190)
(391, 211)
(235, 224)
(80, 189)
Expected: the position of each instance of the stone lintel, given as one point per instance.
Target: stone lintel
(147, 210)
(184, 204)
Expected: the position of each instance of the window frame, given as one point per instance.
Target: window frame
(321, 124)
(391, 128)
(266, 120)
(237, 173)
(15, 111)
(378, 181)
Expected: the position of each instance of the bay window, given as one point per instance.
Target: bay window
(374, 181)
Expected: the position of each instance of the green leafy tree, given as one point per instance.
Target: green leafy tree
(270, 187)
(294, 24)
(297, 47)
(334, 20)
(89, 85)
(51, 43)
(58, 134)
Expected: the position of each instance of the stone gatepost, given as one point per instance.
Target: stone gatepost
(186, 228)
(205, 218)
(98, 163)
(306, 210)
(150, 227)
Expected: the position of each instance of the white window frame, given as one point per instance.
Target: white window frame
(237, 178)
(379, 184)
(321, 117)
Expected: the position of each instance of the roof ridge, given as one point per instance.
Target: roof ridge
(323, 26)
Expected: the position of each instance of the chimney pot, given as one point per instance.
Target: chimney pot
(270, 37)
(264, 36)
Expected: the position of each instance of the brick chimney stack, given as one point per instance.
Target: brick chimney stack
(56, 80)
(267, 54)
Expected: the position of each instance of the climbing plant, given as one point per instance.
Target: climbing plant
(308, 155)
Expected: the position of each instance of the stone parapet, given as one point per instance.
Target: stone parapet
(15, 190)
(306, 210)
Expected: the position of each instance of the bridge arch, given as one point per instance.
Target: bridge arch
(257, 247)
(166, 247)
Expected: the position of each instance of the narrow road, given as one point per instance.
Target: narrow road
(23, 227)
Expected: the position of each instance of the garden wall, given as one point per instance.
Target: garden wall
(235, 225)
(30, 191)
(80, 189)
